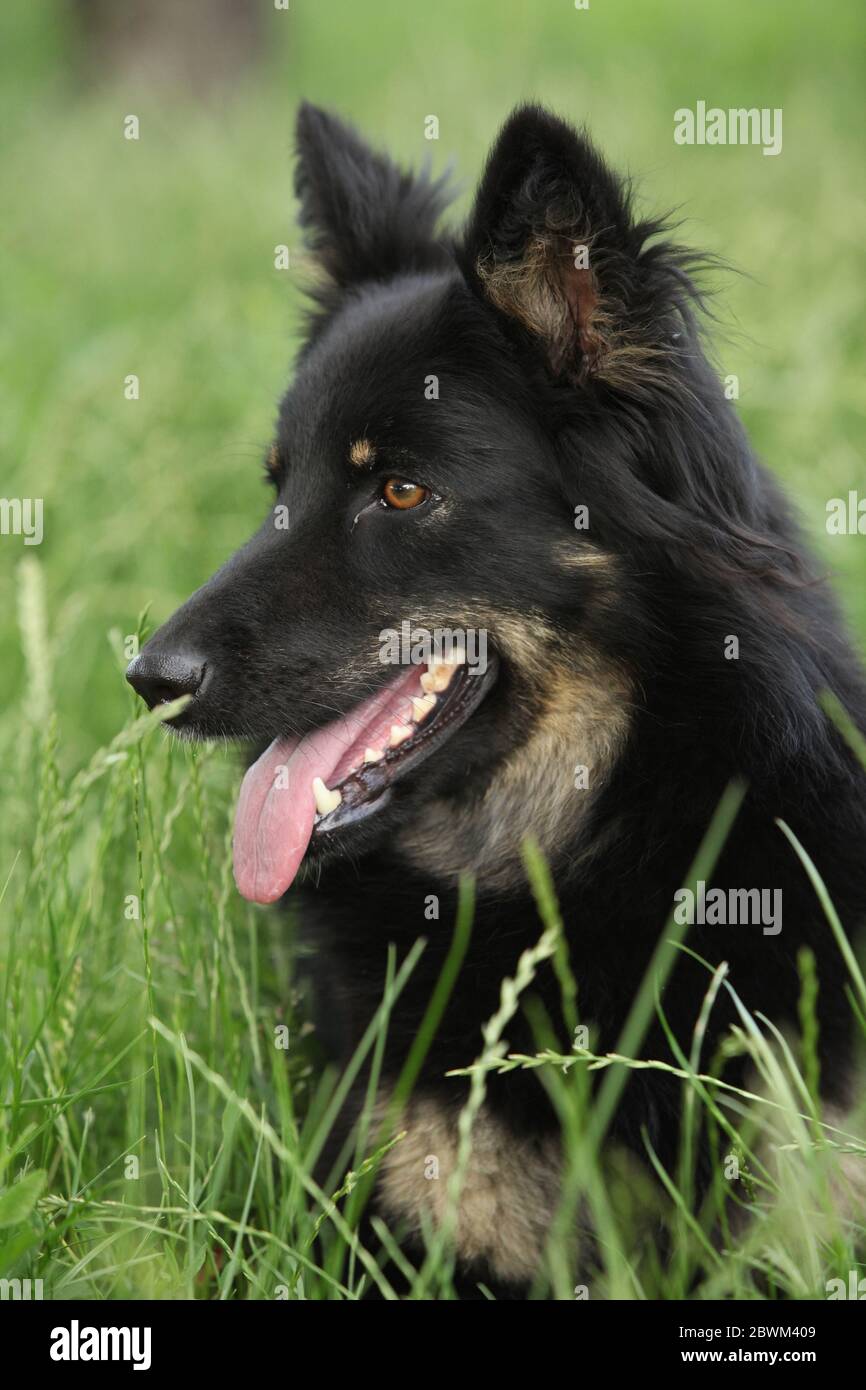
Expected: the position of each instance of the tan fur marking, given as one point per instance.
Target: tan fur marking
(272, 461)
(565, 306)
(584, 720)
(362, 453)
(848, 1182)
(508, 1198)
(528, 291)
(577, 555)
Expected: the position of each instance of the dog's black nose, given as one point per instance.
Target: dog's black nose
(158, 678)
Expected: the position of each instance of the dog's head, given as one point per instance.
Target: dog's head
(434, 625)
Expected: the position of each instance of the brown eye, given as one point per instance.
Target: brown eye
(402, 495)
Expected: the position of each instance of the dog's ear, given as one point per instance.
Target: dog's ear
(551, 245)
(364, 218)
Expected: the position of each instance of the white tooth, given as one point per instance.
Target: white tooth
(441, 673)
(399, 734)
(427, 683)
(326, 799)
(422, 705)
(372, 755)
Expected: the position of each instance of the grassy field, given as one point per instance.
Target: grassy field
(155, 1137)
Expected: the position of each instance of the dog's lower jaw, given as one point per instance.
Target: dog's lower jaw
(545, 789)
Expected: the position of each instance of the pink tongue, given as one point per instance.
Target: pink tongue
(276, 808)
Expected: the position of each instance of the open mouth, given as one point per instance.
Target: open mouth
(339, 775)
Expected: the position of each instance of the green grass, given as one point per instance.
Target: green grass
(153, 1037)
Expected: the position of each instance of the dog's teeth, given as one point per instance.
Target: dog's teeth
(373, 755)
(422, 705)
(326, 799)
(427, 683)
(399, 734)
(440, 675)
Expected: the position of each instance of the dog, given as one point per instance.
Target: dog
(514, 434)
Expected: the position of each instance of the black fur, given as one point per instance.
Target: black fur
(528, 426)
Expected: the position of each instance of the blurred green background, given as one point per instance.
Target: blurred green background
(155, 256)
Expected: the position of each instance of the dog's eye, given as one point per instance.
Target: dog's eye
(402, 495)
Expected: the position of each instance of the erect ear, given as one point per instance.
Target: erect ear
(552, 246)
(364, 218)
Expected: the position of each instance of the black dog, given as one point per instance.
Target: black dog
(514, 436)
